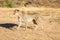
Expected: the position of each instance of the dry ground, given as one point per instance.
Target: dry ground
(49, 28)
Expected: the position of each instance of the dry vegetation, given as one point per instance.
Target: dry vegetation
(35, 3)
(49, 28)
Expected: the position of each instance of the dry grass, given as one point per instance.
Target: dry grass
(46, 31)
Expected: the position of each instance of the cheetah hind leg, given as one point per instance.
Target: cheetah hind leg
(36, 27)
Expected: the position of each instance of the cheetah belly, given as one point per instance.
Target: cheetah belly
(29, 19)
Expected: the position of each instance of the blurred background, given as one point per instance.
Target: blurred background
(27, 3)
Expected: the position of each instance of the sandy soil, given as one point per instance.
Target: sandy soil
(49, 28)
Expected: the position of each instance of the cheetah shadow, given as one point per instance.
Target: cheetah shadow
(8, 25)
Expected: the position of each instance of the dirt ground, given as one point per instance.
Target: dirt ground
(48, 29)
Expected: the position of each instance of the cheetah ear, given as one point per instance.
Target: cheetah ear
(16, 10)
